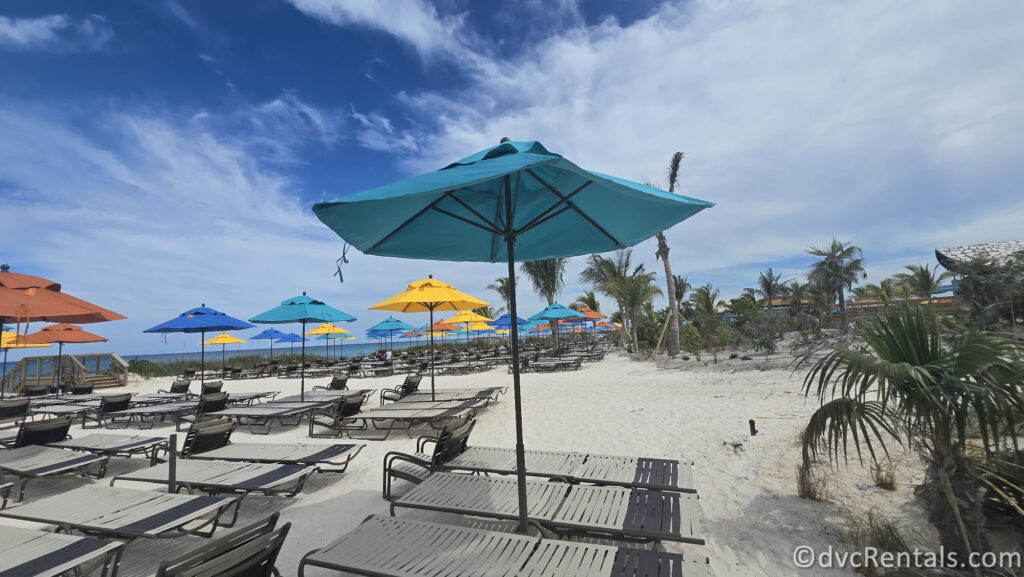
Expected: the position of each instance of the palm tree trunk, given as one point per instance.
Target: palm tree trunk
(673, 305)
(842, 311)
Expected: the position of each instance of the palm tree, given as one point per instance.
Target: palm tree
(662, 253)
(635, 291)
(501, 286)
(885, 291)
(797, 292)
(587, 299)
(921, 281)
(547, 276)
(769, 286)
(906, 385)
(840, 266)
(488, 312)
(682, 286)
(601, 270)
(705, 299)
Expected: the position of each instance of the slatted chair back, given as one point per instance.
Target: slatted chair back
(114, 403)
(36, 390)
(188, 374)
(248, 552)
(43, 432)
(212, 402)
(338, 383)
(452, 442)
(180, 386)
(12, 409)
(82, 389)
(207, 436)
(212, 387)
(411, 384)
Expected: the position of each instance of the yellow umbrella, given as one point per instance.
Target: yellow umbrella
(329, 329)
(429, 295)
(467, 318)
(223, 340)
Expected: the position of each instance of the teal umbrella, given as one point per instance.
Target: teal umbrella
(513, 202)
(389, 326)
(554, 313)
(302, 309)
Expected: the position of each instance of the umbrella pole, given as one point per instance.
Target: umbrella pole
(223, 362)
(202, 359)
(514, 333)
(3, 377)
(431, 354)
(56, 370)
(302, 366)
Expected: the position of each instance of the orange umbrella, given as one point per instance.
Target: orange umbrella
(60, 334)
(25, 299)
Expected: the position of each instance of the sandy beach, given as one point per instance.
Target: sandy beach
(752, 518)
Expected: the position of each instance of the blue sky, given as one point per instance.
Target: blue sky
(156, 155)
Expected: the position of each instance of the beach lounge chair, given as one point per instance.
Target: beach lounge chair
(250, 552)
(25, 552)
(36, 390)
(589, 468)
(338, 383)
(211, 387)
(28, 459)
(178, 387)
(390, 418)
(13, 411)
(123, 513)
(338, 418)
(408, 387)
(208, 403)
(146, 416)
(250, 398)
(390, 547)
(450, 443)
(261, 418)
(108, 404)
(212, 440)
(116, 445)
(490, 393)
(82, 389)
(188, 374)
(213, 477)
(570, 510)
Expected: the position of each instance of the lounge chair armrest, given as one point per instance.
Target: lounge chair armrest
(421, 443)
(391, 457)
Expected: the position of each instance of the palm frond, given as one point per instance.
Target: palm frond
(834, 423)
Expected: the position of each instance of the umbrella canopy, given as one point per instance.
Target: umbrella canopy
(430, 295)
(200, 320)
(505, 321)
(290, 338)
(557, 312)
(25, 298)
(60, 334)
(268, 335)
(302, 309)
(468, 317)
(329, 329)
(391, 324)
(590, 313)
(223, 340)
(514, 201)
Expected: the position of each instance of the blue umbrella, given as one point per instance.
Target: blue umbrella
(292, 338)
(200, 320)
(390, 325)
(514, 201)
(269, 334)
(505, 321)
(556, 312)
(302, 309)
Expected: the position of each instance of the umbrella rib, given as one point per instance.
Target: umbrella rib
(405, 224)
(451, 194)
(539, 221)
(565, 199)
(543, 216)
(465, 220)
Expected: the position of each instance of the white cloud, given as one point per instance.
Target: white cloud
(416, 23)
(54, 32)
(802, 122)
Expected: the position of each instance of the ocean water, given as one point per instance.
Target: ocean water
(213, 352)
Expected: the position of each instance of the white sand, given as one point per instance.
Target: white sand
(752, 517)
